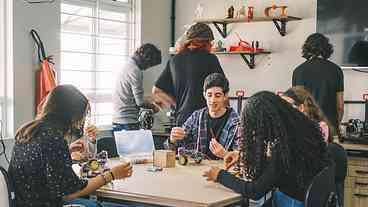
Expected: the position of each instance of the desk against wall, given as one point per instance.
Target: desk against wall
(180, 186)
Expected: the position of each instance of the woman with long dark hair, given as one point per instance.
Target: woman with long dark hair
(279, 148)
(41, 166)
(304, 102)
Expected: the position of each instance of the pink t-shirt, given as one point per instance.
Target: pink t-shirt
(324, 128)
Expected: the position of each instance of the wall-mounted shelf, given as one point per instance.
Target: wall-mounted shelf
(280, 23)
(250, 62)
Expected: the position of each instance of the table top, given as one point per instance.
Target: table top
(179, 186)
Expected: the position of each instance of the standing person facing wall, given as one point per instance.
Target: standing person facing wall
(322, 78)
(180, 84)
(128, 95)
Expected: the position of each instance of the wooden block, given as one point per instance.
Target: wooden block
(164, 158)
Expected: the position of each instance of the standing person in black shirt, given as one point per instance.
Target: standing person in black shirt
(279, 148)
(41, 166)
(180, 84)
(322, 78)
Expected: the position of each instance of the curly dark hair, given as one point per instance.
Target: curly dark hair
(147, 55)
(270, 123)
(317, 45)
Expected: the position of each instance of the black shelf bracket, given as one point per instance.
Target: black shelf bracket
(249, 62)
(280, 26)
(223, 30)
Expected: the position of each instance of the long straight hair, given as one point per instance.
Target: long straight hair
(312, 109)
(65, 106)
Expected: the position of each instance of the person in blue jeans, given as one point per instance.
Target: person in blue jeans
(280, 148)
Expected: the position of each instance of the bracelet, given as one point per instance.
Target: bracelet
(112, 175)
(105, 178)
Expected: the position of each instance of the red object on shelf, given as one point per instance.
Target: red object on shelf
(250, 12)
(244, 46)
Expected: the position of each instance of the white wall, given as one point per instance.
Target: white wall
(272, 72)
(45, 19)
(155, 29)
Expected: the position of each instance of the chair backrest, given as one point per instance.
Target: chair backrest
(106, 141)
(321, 191)
(7, 198)
(108, 144)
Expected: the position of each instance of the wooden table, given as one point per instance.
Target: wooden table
(179, 186)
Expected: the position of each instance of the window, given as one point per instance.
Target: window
(97, 37)
(6, 65)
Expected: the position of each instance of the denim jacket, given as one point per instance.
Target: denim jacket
(196, 134)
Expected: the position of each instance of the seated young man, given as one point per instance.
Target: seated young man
(213, 129)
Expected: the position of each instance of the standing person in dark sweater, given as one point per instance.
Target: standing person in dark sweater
(322, 78)
(279, 148)
(180, 84)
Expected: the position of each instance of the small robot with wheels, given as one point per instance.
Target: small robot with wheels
(185, 155)
(95, 166)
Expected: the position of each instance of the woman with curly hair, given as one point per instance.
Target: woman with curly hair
(277, 148)
(321, 77)
(304, 102)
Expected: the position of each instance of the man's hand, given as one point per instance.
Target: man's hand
(230, 159)
(177, 133)
(211, 174)
(121, 171)
(217, 149)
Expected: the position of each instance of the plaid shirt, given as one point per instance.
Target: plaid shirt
(196, 135)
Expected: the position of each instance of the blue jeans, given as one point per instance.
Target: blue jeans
(90, 203)
(118, 127)
(84, 202)
(282, 200)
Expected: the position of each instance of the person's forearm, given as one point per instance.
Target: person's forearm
(340, 114)
(92, 185)
(340, 106)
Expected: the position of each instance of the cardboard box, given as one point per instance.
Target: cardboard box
(164, 158)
